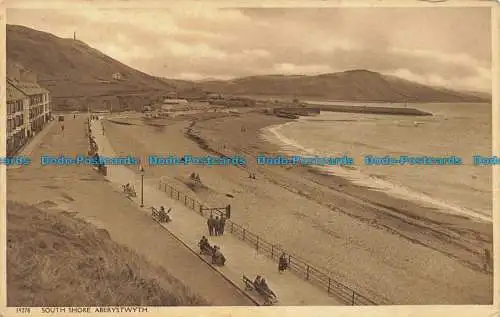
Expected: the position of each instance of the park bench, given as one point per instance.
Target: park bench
(211, 251)
(218, 260)
(159, 215)
(208, 250)
(269, 298)
(129, 191)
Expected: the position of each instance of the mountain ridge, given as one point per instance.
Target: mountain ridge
(79, 76)
(354, 85)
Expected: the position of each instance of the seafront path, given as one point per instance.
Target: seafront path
(79, 191)
(189, 227)
(32, 144)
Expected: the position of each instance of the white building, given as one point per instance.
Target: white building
(174, 104)
(117, 76)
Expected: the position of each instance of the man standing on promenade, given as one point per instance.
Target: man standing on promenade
(283, 263)
(217, 226)
(210, 224)
(222, 224)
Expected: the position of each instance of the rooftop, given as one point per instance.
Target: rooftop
(28, 89)
(13, 93)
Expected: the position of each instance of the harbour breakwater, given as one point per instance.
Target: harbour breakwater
(295, 112)
(373, 110)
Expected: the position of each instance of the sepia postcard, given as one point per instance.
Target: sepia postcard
(213, 158)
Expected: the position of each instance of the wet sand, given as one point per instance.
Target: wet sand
(390, 250)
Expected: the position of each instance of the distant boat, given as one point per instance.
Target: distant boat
(417, 123)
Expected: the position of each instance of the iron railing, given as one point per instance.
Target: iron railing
(295, 263)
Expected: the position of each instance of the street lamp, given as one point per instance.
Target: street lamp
(142, 186)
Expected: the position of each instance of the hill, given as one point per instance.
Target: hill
(77, 74)
(96, 271)
(352, 85)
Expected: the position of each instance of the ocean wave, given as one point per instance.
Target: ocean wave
(292, 147)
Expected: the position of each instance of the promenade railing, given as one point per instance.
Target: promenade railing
(296, 264)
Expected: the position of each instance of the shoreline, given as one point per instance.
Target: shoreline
(400, 190)
(273, 149)
(360, 225)
(441, 225)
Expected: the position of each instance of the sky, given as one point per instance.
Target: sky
(449, 47)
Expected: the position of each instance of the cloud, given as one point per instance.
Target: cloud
(290, 69)
(429, 45)
(466, 83)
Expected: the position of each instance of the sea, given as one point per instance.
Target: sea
(454, 129)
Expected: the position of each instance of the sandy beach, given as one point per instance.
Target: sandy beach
(391, 90)
(391, 250)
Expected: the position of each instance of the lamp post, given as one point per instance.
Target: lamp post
(142, 186)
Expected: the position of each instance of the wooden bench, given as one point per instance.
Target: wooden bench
(248, 283)
(269, 299)
(208, 250)
(158, 215)
(129, 191)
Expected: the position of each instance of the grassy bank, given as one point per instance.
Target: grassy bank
(55, 259)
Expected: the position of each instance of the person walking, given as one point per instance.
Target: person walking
(62, 129)
(222, 225)
(282, 263)
(210, 224)
(217, 226)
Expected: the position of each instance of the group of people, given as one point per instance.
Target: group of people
(217, 256)
(216, 225)
(129, 190)
(195, 177)
(204, 244)
(282, 263)
(165, 215)
(261, 286)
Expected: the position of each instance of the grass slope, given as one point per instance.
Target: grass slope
(58, 260)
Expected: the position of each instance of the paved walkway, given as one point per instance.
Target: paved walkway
(33, 143)
(80, 191)
(189, 226)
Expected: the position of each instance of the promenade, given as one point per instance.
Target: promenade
(189, 227)
(80, 191)
(35, 142)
